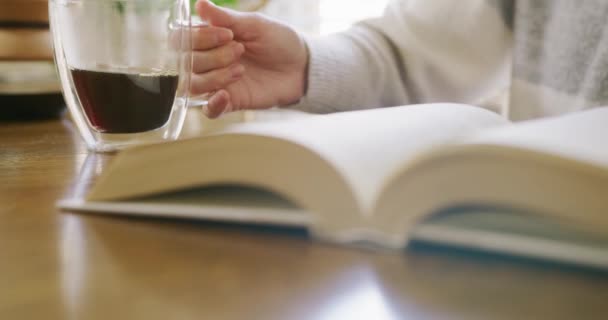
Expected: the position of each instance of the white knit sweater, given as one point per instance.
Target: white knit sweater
(521, 58)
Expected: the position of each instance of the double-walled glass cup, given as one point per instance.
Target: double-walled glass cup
(125, 68)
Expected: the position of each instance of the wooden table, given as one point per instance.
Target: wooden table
(56, 265)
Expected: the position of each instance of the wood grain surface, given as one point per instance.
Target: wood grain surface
(61, 265)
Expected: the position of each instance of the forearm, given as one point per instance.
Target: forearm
(352, 70)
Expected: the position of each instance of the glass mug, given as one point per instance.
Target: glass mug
(125, 68)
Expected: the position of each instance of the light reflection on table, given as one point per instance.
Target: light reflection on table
(362, 299)
(73, 263)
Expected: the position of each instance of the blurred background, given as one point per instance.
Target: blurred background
(323, 16)
(313, 16)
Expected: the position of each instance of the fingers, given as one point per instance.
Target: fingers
(216, 53)
(215, 65)
(204, 61)
(208, 37)
(216, 79)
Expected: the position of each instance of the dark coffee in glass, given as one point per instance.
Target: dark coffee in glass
(130, 102)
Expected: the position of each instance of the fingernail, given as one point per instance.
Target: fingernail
(214, 100)
(224, 35)
(237, 71)
(239, 49)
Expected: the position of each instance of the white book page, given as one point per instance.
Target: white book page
(581, 136)
(227, 204)
(368, 147)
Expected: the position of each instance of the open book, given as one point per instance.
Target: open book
(443, 173)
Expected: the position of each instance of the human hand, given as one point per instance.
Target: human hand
(246, 61)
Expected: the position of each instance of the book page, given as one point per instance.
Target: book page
(581, 136)
(367, 147)
(515, 233)
(225, 204)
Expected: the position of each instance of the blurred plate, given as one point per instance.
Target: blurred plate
(29, 90)
(25, 44)
(28, 77)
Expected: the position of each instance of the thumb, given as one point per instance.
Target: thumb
(239, 22)
(215, 15)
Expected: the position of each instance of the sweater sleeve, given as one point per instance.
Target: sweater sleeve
(419, 51)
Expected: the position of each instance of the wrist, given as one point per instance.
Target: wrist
(303, 70)
(297, 85)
